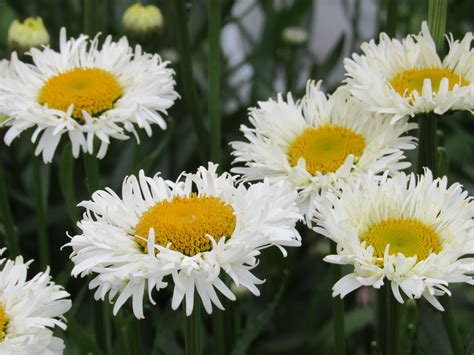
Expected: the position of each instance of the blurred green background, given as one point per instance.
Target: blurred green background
(293, 314)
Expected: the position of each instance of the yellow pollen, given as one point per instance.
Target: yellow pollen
(325, 148)
(90, 89)
(186, 222)
(409, 237)
(405, 83)
(3, 322)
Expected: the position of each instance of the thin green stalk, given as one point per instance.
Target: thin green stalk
(136, 336)
(11, 235)
(214, 70)
(192, 330)
(92, 173)
(91, 166)
(338, 310)
(382, 317)
(89, 16)
(437, 11)
(107, 331)
(219, 332)
(450, 324)
(41, 212)
(427, 143)
(66, 181)
(392, 17)
(393, 343)
(289, 68)
(236, 322)
(189, 85)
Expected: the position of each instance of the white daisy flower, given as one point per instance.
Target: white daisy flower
(86, 92)
(29, 309)
(408, 77)
(194, 230)
(413, 232)
(316, 142)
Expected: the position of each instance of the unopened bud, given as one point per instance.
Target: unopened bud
(27, 34)
(140, 20)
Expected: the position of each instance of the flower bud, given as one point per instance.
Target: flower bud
(27, 34)
(140, 20)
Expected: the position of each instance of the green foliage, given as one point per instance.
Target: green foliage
(293, 314)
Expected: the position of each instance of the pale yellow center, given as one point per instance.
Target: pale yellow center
(186, 222)
(409, 237)
(405, 83)
(90, 89)
(325, 148)
(3, 322)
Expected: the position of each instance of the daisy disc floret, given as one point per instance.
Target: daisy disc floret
(408, 77)
(412, 232)
(29, 310)
(318, 141)
(86, 92)
(190, 232)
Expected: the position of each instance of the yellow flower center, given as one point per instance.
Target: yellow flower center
(3, 322)
(405, 83)
(409, 237)
(186, 222)
(90, 89)
(325, 148)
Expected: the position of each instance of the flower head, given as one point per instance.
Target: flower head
(318, 141)
(86, 92)
(27, 34)
(139, 19)
(414, 232)
(190, 232)
(29, 309)
(408, 77)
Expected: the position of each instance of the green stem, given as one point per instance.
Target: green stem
(66, 181)
(92, 173)
(451, 328)
(11, 235)
(392, 17)
(437, 10)
(214, 78)
(393, 343)
(41, 212)
(218, 334)
(136, 335)
(427, 143)
(338, 310)
(382, 317)
(192, 327)
(89, 16)
(189, 85)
